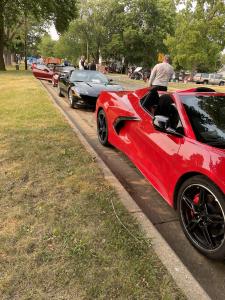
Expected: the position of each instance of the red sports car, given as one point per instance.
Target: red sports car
(177, 141)
(42, 72)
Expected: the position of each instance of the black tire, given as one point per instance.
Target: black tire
(201, 207)
(221, 83)
(59, 92)
(71, 99)
(205, 82)
(102, 128)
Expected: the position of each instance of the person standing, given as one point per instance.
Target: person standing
(86, 64)
(161, 74)
(66, 63)
(92, 65)
(81, 63)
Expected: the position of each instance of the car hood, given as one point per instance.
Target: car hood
(94, 89)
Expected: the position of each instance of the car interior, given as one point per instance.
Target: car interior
(164, 105)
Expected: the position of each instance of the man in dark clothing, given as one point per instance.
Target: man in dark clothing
(92, 66)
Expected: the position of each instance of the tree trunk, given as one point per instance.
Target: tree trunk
(25, 38)
(2, 63)
(7, 58)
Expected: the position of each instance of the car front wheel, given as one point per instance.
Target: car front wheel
(201, 207)
(59, 92)
(71, 99)
(102, 128)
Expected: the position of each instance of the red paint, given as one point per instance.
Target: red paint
(162, 158)
(44, 73)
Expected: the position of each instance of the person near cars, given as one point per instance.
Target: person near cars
(86, 64)
(92, 65)
(81, 63)
(161, 74)
(66, 63)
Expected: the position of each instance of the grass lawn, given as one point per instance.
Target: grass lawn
(59, 237)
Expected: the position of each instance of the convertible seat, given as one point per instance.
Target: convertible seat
(168, 109)
(151, 99)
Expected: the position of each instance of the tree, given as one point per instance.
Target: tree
(130, 29)
(47, 46)
(199, 35)
(60, 12)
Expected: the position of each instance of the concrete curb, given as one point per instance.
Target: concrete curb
(181, 275)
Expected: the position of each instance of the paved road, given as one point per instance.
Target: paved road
(210, 274)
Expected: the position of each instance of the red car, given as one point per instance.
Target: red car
(42, 72)
(61, 71)
(177, 141)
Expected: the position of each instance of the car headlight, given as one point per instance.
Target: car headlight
(75, 93)
(81, 91)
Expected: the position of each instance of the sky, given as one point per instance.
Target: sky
(53, 33)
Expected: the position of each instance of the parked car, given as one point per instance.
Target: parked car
(60, 70)
(177, 141)
(82, 87)
(42, 72)
(140, 74)
(201, 78)
(216, 79)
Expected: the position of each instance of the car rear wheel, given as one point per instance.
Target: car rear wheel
(102, 128)
(201, 207)
(205, 82)
(221, 83)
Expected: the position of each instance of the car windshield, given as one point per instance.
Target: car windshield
(88, 76)
(207, 117)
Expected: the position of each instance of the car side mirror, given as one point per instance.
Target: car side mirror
(161, 123)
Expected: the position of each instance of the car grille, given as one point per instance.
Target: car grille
(88, 99)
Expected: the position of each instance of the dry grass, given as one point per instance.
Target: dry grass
(59, 238)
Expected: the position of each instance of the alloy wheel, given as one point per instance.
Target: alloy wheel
(102, 128)
(202, 217)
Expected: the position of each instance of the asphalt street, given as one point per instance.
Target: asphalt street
(210, 274)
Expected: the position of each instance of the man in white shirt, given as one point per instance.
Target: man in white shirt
(161, 74)
(81, 63)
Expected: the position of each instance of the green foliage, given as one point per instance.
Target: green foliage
(46, 46)
(129, 29)
(199, 36)
(15, 15)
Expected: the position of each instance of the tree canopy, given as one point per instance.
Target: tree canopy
(15, 13)
(130, 29)
(199, 36)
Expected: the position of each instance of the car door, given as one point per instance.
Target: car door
(42, 73)
(211, 79)
(156, 152)
(47, 73)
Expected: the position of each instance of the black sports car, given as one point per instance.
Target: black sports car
(82, 87)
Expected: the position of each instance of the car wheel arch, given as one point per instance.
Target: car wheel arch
(179, 183)
(99, 108)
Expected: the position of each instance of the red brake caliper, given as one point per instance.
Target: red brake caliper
(195, 202)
